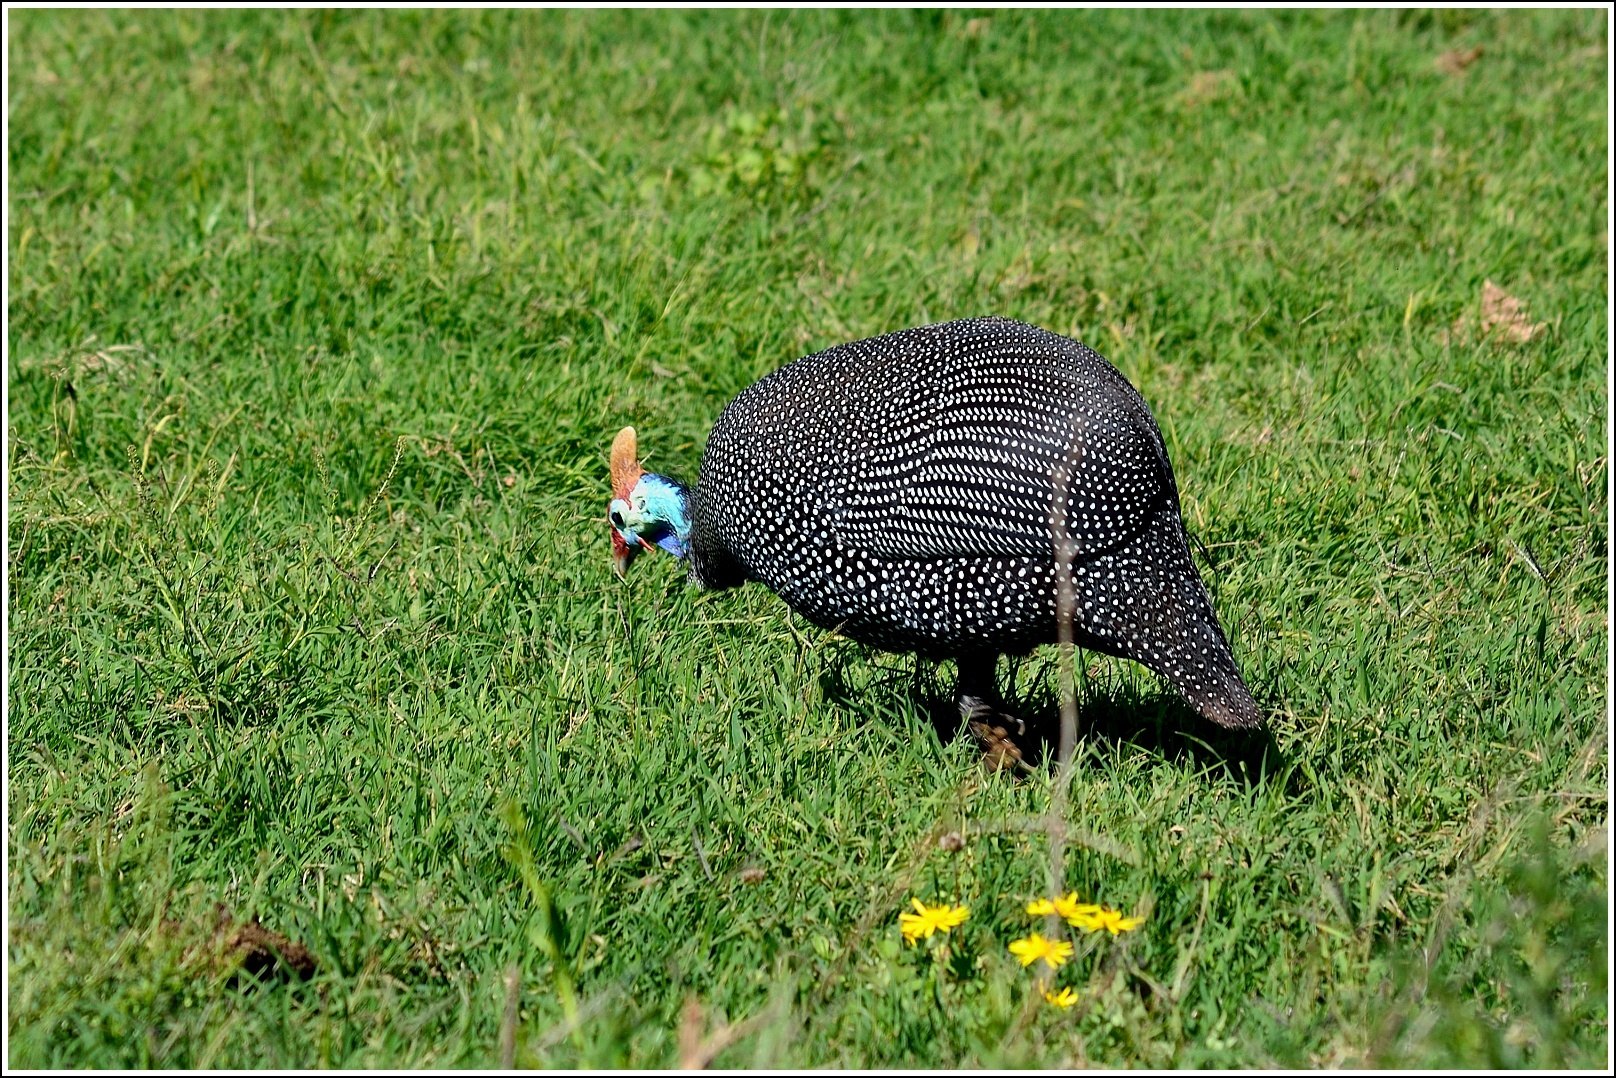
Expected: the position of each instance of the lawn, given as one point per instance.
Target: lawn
(320, 326)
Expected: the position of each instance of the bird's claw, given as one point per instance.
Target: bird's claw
(992, 730)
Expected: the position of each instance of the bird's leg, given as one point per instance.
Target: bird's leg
(977, 694)
(977, 691)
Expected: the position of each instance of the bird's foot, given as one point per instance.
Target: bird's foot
(996, 732)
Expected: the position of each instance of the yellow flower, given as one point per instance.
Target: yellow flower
(1077, 914)
(1053, 952)
(1087, 918)
(1064, 998)
(1073, 910)
(1113, 921)
(928, 919)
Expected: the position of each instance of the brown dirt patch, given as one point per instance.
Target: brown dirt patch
(246, 946)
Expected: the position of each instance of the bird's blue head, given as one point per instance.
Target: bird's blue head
(646, 510)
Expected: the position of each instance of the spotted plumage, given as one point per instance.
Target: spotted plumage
(902, 491)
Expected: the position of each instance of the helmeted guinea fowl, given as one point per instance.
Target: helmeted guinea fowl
(903, 490)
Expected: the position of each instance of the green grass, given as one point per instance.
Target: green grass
(321, 324)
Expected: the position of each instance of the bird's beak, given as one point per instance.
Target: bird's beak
(622, 555)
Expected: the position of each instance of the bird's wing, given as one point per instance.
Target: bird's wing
(976, 473)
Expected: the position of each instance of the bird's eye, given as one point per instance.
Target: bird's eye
(617, 520)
